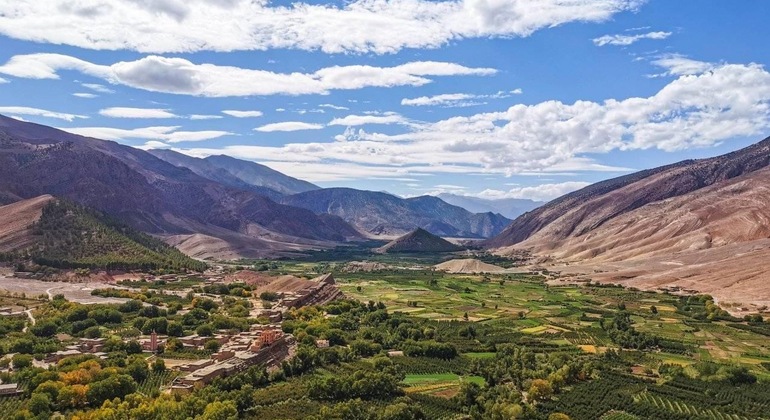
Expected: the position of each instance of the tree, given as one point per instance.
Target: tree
(21, 361)
(269, 296)
(220, 410)
(133, 347)
(159, 365)
(205, 330)
(175, 329)
(40, 404)
(653, 309)
(115, 386)
(45, 328)
(211, 345)
(540, 389)
(558, 416)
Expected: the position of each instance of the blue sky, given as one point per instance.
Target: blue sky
(491, 98)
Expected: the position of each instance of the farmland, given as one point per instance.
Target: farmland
(413, 341)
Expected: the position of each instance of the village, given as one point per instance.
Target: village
(262, 344)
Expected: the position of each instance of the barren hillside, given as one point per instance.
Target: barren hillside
(16, 219)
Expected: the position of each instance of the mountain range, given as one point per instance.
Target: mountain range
(508, 207)
(383, 214)
(698, 224)
(217, 207)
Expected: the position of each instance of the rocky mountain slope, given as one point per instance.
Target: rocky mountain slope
(419, 240)
(206, 169)
(583, 211)
(383, 214)
(508, 207)
(63, 234)
(260, 175)
(148, 193)
(701, 225)
(16, 222)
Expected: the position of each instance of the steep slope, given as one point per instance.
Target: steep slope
(260, 175)
(729, 212)
(508, 207)
(419, 240)
(582, 211)
(700, 226)
(206, 169)
(66, 235)
(467, 266)
(146, 192)
(16, 222)
(384, 214)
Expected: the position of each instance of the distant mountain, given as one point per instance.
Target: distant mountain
(210, 171)
(419, 240)
(151, 194)
(508, 207)
(260, 175)
(383, 214)
(66, 235)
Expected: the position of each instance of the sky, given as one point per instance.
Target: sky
(486, 98)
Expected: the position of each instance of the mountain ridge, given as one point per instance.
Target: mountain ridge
(379, 213)
(146, 192)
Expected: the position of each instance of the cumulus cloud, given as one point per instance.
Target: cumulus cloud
(242, 114)
(180, 76)
(288, 126)
(356, 120)
(358, 26)
(624, 40)
(169, 134)
(692, 111)
(127, 112)
(543, 192)
(24, 110)
(452, 100)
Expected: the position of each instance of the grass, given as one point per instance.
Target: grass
(480, 355)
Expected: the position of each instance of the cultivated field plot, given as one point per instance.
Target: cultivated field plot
(563, 314)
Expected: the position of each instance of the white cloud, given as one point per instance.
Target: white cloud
(153, 144)
(85, 95)
(692, 111)
(97, 87)
(624, 40)
(332, 106)
(450, 100)
(205, 117)
(127, 112)
(356, 120)
(24, 110)
(180, 76)
(543, 192)
(169, 134)
(243, 114)
(288, 126)
(677, 65)
(3, 80)
(357, 26)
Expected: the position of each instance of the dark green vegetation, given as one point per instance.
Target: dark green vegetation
(71, 236)
(424, 345)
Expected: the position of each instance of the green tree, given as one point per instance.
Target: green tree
(220, 410)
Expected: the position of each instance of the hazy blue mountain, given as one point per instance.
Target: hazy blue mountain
(508, 207)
